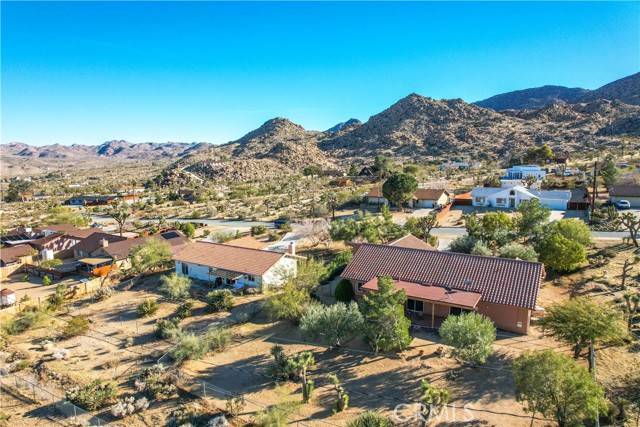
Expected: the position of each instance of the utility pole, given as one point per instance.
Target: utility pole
(592, 368)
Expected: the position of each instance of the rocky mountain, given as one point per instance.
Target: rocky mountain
(351, 123)
(626, 90)
(113, 149)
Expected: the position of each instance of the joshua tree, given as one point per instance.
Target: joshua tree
(632, 224)
(120, 214)
(632, 307)
(299, 363)
(343, 398)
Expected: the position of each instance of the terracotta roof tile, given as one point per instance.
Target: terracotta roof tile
(432, 293)
(499, 280)
(233, 258)
(411, 241)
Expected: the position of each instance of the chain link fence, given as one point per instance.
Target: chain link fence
(62, 407)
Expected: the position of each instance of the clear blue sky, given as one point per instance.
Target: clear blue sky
(79, 72)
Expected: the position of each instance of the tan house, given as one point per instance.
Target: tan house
(422, 198)
(630, 192)
(439, 284)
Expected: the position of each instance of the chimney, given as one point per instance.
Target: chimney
(292, 248)
(104, 242)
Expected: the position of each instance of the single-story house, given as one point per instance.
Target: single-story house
(235, 266)
(90, 200)
(521, 172)
(439, 284)
(91, 245)
(630, 192)
(408, 241)
(422, 198)
(512, 196)
(121, 250)
(14, 255)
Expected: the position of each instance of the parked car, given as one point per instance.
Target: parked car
(623, 204)
(279, 223)
(568, 173)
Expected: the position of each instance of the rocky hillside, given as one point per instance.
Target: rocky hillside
(626, 90)
(112, 149)
(349, 124)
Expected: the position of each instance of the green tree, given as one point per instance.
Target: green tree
(383, 166)
(471, 335)
(497, 227)
(433, 398)
(386, 327)
(291, 303)
(573, 229)
(582, 321)
(344, 291)
(120, 213)
(463, 244)
(312, 170)
(19, 189)
(399, 188)
(555, 386)
(298, 364)
(46, 281)
(176, 286)
(332, 324)
(411, 169)
(609, 172)
(422, 226)
(333, 201)
(150, 256)
(354, 170)
(188, 229)
(560, 253)
(532, 218)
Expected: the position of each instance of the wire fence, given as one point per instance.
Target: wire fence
(60, 406)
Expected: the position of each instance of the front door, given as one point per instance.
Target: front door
(512, 202)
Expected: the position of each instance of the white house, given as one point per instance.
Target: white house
(235, 266)
(521, 172)
(512, 196)
(422, 198)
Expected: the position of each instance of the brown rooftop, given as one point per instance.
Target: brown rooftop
(232, 258)
(499, 280)
(92, 242)
(436, 294)
(629, 190)
(421, 193)
(14, 253)
(411, 241)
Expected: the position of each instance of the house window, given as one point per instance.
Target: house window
(512, 193)
(359, 286)
(250, 278)
(185, 269)
(480, 199)
(415, 305)
(501, 201)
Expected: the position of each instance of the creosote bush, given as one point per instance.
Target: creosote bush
(195, 346)
(157, 383)
(76, 326)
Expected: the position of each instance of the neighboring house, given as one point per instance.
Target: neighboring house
(341, 182)
(14, 255)
(455, 165)
(235, 266)
(508, 183)
(521, 172)
(439, 284)
(630, 192)
(90, 200)
(511, 197)
(120, 251)
(422, 198)
(580, 200)
(368, 171)
(409, 241)
(90, 246)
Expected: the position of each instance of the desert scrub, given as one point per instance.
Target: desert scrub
(93, 396)
(220, 300)
(129, 405)
(175, 286)
(147, 308)
(76, 326)
(195, 347)
(276, 416)
(29, 318)
(104, 293)
(370, 419)
(157, 383)
(184, 310)
(169, 329)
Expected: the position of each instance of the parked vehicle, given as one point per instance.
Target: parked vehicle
(568, 173)
(623, 204)
(279, 223)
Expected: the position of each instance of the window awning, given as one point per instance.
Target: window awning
(430, 293)
(225, 274)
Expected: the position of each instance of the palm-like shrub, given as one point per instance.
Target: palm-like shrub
(147, 308)
(370, 419)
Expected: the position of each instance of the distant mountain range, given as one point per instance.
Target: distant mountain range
(626, 90)
(414, 128)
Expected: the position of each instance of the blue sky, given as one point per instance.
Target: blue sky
(88, 72)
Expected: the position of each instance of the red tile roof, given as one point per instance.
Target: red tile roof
(233, 258)
(499, 280)
(411, 241)
(436, 294)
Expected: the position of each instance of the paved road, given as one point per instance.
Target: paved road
(457, 232)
